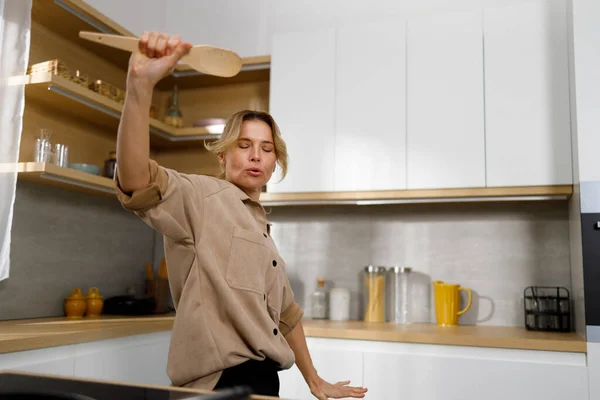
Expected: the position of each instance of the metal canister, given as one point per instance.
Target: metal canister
(399, 290)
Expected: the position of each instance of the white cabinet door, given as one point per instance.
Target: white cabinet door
(302, 101)
(425, 372)
(445, 110)
(528, 137)
(335, 361)
(370, 123)
(140, 359)
(53, 361)
(593, 356)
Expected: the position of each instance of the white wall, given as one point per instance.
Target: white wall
(134, 15)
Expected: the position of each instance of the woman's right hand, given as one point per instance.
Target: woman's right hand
(157, 56)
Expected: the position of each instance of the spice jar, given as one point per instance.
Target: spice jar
(94, 303)
(75, 304)
(110, 165)
(374, 278)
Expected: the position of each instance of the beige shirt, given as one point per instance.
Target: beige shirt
(231, 293)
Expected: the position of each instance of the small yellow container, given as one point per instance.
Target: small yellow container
(94, 303)
(75, 304)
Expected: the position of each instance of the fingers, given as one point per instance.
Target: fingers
(181, 50)
(161, 45)
(152, 41)
(143, 42)
(172, 44)
(157, 45)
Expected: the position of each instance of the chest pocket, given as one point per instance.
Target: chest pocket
(248, 261)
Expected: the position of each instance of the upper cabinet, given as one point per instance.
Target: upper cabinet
(302, 101)
(528, 136)
(370, 104)
(464, 100)
(445, 119)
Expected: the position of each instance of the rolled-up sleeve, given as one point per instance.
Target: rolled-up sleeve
(292, 312)
(168, 204)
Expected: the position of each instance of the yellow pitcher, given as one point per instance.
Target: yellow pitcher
(447, 302)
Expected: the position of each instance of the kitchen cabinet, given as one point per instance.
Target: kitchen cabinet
(140, 359)
(333, 360)
(397, 370)
(302, 101)
(594, 369)
(445, 115)
(528, 137)
(370, 104)
(58, 360)
(392, 370)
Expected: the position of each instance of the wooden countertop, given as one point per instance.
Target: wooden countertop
(19, 335)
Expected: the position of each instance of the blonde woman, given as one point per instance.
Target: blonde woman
(237, 322)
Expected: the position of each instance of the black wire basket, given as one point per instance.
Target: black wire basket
(547, 308)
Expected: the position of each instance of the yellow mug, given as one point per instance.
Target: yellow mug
(447, 302)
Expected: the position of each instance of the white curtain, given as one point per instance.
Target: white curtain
(15, 34)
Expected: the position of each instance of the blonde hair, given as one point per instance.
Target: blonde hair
(233, 130)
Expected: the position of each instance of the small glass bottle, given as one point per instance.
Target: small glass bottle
(173, 116)
(319, 300)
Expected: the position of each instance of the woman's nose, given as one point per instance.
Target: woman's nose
(255, 154)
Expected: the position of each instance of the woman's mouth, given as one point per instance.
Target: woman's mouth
(254, 172)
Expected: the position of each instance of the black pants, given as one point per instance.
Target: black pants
(261, 376)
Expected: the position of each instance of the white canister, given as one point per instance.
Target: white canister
(339, 304)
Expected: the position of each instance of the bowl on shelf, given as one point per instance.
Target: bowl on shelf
(89, 168)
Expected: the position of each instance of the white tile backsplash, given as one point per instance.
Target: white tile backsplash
(496, 249)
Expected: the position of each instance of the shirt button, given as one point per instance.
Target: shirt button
(274, 263)
(275, 331)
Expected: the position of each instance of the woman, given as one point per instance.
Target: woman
(237, 322)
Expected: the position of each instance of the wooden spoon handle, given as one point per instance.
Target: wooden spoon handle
(206, 59)
(126, 43)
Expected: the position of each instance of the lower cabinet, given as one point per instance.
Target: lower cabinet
(335, 360)
(139, 359)
(425, 372)
(405, 371)
(58, 360)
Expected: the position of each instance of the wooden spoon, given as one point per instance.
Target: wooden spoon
(203, 58)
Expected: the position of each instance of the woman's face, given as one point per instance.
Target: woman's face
(249, 164)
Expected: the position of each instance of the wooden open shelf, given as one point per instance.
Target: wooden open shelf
(59, 94)
(68, 17)
(65, 178)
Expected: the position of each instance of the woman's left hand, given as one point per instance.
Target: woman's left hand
(323, 390)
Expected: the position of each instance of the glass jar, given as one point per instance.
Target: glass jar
(374, 304)
(319, 300)
(399, 294)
